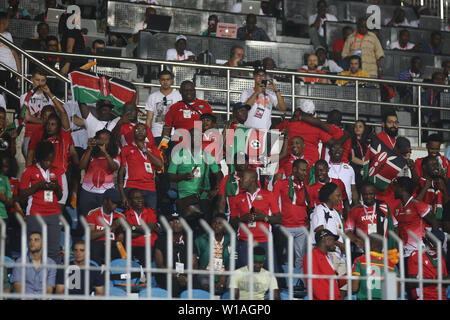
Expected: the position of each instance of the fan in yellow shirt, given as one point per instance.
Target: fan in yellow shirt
(354, 71)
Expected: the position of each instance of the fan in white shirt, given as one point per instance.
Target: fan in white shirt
(179, 53)
(159, 102)
(324, 63)
(403, 42)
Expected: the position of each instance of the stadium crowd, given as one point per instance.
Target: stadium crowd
(87, 160)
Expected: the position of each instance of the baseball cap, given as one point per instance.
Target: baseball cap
(208, 116)
(259, 254)
(307, 106)
(180, 37)
(403, 145)
(239, 105)
(324, 233)
(113, 195)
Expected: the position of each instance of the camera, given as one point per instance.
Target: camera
(99, 142)
(264, 82)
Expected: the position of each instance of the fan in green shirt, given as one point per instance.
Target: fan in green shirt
(5, 196)
(212, 26)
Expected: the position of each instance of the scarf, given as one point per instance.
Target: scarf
(231, 186)
(292, 194)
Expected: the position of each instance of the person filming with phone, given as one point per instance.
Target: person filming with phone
(262, 99)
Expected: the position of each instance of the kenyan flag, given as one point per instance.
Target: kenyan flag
(381, 164)
(89, 87)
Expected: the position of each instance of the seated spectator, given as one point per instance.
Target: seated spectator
(312, 65)
(262, 99)
(237, 8)
(322, 253)
(14, 12)
(398, 19)
(100, 162)
(212, 26)
(326, 64)
(433, 146)
(414, 73)
(431, 97)
(179, 259)
(434, 46)
(236, 60)
(39, 42)
(179, 53)
(338, 44)
(107, 212)
(137, 214)
(221, 254)
(76, 281)
(263, 281)
(97, 43)
(105, 119)
(250, 31)
(138, 166)
(34, 274)
(43, 16)
(403, 42)
(52, 45)
(315, 23)
(354, 70)
(366, 45)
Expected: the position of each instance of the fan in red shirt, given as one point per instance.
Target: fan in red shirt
(211, 137)
(390, 130)
(321, 264)
(255, 207)
(40, 187)
(312, 63)
(321, 174)
(136, 215)
(296, 152)
(338, 44)
(184, 113)
(139, 162)
(434, 146)
(430, 270)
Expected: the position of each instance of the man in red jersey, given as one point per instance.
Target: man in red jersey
(139, 162)
(390, 130)
(136, 215)
(321, 169)
(285, 167)
(321, 265)
(40, 186)
(211, 137)
(293, 196)
(434, 146)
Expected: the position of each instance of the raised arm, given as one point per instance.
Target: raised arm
(84, 110)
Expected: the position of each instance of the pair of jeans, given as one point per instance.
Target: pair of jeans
(54, 227)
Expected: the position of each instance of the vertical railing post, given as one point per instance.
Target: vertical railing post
(419, 117)
(148, 255)
(439, 259)
(127, 229)
(232, 252)
(190, 246)
(107, 249)
(348, 260)
(419, 262)
(290, 249)
(361, 234)
(293, 94)
(2, 251)
(87, 260)
(44, 253)
(228, 94)
(66, 252)
(212, 270)
(270, 255)
(22, 69)
(23, 250)
(169, 257)
(309, 262)
(356, 100)
(250, 244)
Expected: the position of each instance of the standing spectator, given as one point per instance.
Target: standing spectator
(137, 214)
(179, 53)
(413, 73)
(434, 46)
(398, 19)
(34, 274)
(359, 149)
(40, 185)
(316, 22)
(338, 45)
(159, 102)
(262, 99)
(14, 12)
(221, 254)
(431, 97)
(403, 147)
(403, 42)
(212, 26)
(237, 120)
(354, 70)
(211, 136)
(77, 287)
(179, 258)
(429, 269)
(322, 265)
(72, 41)
(52, 45)
(107, 212)
(255, 207)
(293, 195)
(138, 165)
(366, 45)
(105, 119)
(100, 162)
(285, 164)
(360, 287)
(312, 65)
(325, 64)
(79, 132)
(262, 279)
(433, 147)
(43, 16)
(250, 31)
(390, 130)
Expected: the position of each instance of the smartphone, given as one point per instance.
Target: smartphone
(264, 82)
(99, 142)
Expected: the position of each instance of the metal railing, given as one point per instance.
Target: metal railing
(27, 55)
(439, 6)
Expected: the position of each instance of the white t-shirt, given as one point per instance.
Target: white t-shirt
(237, 8)
(36, 103)
(405, 23)
(345, 172)
(259, 116)
(332, 66)
(396, 45)
(93, 125)
(6, 55)
(79, 134)
(328, 17)
(329, 219)
(156, 105)
(2, 102)
(172, 55)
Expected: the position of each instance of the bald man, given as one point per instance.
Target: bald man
(312, 65)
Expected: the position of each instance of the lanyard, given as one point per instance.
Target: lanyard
(138, 218)
(265, 99)
(360, 148)
(140, 151)
(373, 210)
(178, 56)
(252, 197)
(431, 48)
(390, 141)
(110, 219)
(45, 173)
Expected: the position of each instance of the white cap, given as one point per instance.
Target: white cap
(307, 106)
(180, 37)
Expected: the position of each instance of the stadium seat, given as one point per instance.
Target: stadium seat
(119, 277)
(226, 296)
(156, 293)
(448, 292)
(117, 292)
(196, 294)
